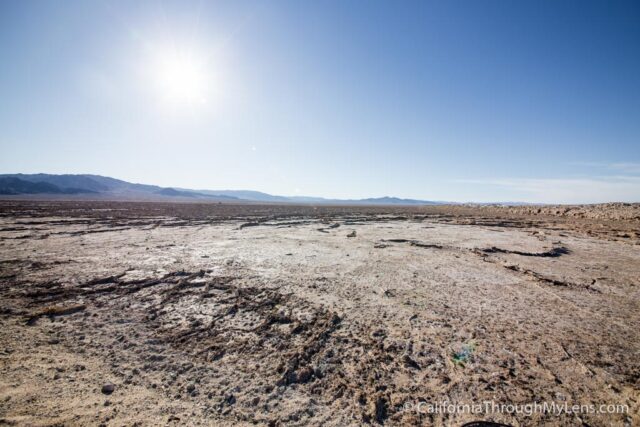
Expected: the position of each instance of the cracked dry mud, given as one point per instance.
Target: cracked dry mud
(174, 314)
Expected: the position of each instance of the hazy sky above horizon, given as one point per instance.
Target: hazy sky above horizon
(452, 100)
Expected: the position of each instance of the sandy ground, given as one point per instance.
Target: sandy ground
(151, 314)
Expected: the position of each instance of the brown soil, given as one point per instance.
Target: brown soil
(215, 314)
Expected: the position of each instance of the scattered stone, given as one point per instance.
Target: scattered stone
(108, 388)
(378, 409)
(409, 362)
(304, 375)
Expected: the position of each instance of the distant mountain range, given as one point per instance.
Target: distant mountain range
(96, 187)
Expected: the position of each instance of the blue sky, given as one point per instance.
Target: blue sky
(457, 100)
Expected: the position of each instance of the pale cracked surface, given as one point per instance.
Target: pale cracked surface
(279, 318)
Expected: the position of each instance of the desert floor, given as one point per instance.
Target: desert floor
(173, 314)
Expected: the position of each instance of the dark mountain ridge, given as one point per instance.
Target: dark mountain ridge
(103, 187)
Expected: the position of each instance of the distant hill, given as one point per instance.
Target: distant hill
(255, 196)
(395, 201)
(88, 186)
(13, 186)
(94, 183)
(172, 192)
(369, 201)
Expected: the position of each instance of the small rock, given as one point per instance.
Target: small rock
(304, 375)
(352, 234)
(410, 363)
(320, 371)
(108, 388)
(378, 409)
(378, 333)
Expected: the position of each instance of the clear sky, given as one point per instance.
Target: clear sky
(450, 100)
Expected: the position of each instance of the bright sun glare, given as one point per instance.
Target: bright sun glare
(181, 78)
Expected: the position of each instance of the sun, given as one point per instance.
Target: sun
(181, 77)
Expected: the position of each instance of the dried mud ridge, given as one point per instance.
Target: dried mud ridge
(173, 331)
(484, 254)
(620, 222)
